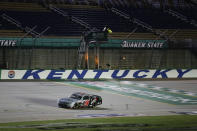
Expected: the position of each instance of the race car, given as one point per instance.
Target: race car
(80, 100)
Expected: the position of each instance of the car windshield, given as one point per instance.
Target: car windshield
(75, 96)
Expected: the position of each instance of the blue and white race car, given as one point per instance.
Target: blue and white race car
(80, 100)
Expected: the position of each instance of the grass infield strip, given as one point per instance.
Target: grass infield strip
(145, 123)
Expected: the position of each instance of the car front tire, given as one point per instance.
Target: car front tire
(75, 106)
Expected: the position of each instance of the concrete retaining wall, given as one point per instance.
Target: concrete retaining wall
(97, 74)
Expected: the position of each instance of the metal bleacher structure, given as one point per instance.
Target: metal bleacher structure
(129, 20)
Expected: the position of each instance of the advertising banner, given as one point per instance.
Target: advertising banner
(7, 43)
(144, 44)
(98, 74)
(75, 42)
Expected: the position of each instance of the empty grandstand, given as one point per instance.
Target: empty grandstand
(146, 34)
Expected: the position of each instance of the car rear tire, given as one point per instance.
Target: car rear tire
(93, 105)
(60, 106)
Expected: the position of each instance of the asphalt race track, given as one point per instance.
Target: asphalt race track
(30, 101)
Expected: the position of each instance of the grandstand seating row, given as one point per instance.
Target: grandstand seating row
(118, 3)
(31, 14)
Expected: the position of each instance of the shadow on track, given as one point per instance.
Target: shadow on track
(40, 101)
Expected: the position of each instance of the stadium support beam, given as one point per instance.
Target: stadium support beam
(172, 35)
(139, 23)
(133, 31)
(27, 29)
(11, 20)
(72, 18)
(181, 17)
(120, 13)
(19, 25)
